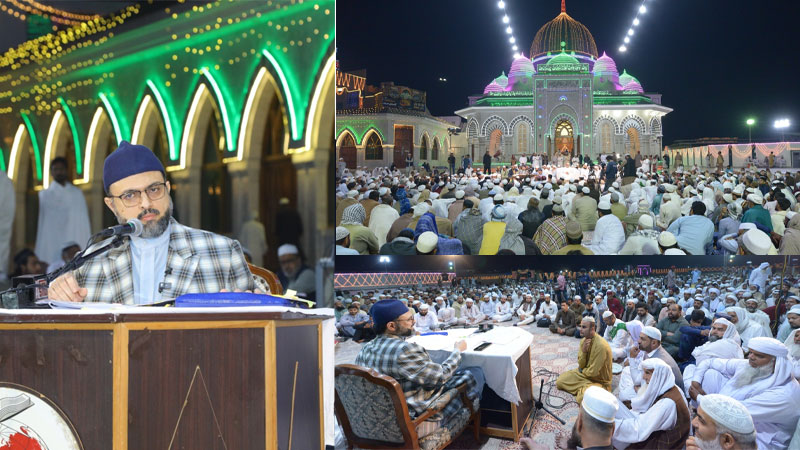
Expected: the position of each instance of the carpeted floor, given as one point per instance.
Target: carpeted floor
(548, 352)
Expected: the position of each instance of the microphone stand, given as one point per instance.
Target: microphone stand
(81, 258)
(540, 405)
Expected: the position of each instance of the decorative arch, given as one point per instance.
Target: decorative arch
(522, 132)
(22, 147)
(373, 147)
(203, 107)
(472, 128)
(22, 170)
(655, 127)
(323, 106)
(563, 116)
(371, 130)
(97, 145)
(519, 119)
(59, 138)
(152, 127)
(633, 121)
(603, 131)
(343, 132)
(424, 142)
(263, 90)
(614, 123)
(435, 149)
(494, 123)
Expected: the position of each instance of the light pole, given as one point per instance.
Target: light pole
(782, 124)
(384, 260)
(750, 123)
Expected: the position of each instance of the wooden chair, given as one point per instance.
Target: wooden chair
(373, 412)
(268, 278)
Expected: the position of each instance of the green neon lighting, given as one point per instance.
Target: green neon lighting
(223, 109)
(173, 153)
(371, 128)
(3, 160)
(35, 143)
(113, 116)
(351, 130)
(285, 86)
(71, 120)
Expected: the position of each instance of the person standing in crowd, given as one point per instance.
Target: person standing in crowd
(63, 216)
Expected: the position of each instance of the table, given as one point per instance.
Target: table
(243, 378)
(507, 399)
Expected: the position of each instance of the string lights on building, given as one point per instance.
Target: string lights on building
(631, 31)
(509, 31)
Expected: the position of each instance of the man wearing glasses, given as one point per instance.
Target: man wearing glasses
(421, 379)
(167, 260)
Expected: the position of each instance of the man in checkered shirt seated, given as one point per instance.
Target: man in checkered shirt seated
(421, 379)
(167, 260)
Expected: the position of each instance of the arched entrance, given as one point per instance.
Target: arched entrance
(215, 199)
(60, 143)
(423, 149)
(564, 138)
(435, 151)
(22, 170)
(496, 143)
(99, 144)
(403, 145)
(347, 150)
(278, 178)
(632, 142)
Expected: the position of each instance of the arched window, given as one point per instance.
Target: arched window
(423, 149)
(435, 151)
(606, 137)
(522, 138)
(373, 149)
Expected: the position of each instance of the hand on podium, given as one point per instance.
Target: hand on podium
(254, 291)
(66, 288)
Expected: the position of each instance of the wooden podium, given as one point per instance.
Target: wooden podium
(179, 379)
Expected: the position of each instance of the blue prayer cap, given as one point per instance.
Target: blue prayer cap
(385, 311)
(127, 160)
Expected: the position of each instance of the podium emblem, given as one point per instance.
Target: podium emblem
(31, 421)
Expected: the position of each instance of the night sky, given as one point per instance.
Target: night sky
(715, 62)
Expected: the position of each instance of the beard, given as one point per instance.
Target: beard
(642, 389)
(751, 310)
(794, 350)
(708, 445)
(739, 326)
(752, 374)
(574, 440)
(712, 338)
(153, 228)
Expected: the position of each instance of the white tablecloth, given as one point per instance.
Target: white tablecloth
(498, 361)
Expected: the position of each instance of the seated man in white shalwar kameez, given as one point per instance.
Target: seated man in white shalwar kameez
(747, 328)
(425, 321)
(502, 310)
(658, 417)
(445, 314)
(470, 314)
(547, 309)
(756, 315)
(723, 342)
(617, 336)
(793, 344)
(763, 383)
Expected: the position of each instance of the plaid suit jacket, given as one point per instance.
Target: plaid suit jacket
(197, 261)
(421, 379)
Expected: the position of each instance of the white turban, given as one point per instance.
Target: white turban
(728, 412)
(607, 314)
(661, 381)
(652, 332)
(769, 346)
(288, 249)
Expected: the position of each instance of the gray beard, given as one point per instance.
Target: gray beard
(708, 445)
(739, 326)
(794, 350)
(152, 229)
(712, 338)
(752, 374)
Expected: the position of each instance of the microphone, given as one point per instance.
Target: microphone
(134, 227)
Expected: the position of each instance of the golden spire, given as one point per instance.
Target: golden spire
(563, 6)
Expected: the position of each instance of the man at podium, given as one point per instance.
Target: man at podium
(167, 260)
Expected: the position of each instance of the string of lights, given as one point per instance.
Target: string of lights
(34, 11)
(627, 39)
(59, 12)
(509, 31)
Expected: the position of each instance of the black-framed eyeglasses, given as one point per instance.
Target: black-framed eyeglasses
(133, 197)
(405, 320)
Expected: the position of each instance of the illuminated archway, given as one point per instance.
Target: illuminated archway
(632, 142)
(346, 147)
(496, 143)
(21, 169)
(60, 143)
(100, 142)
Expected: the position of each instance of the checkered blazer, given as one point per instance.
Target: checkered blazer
(421, 379)
(198, 261)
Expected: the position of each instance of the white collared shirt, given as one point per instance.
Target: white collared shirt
(149, 262)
